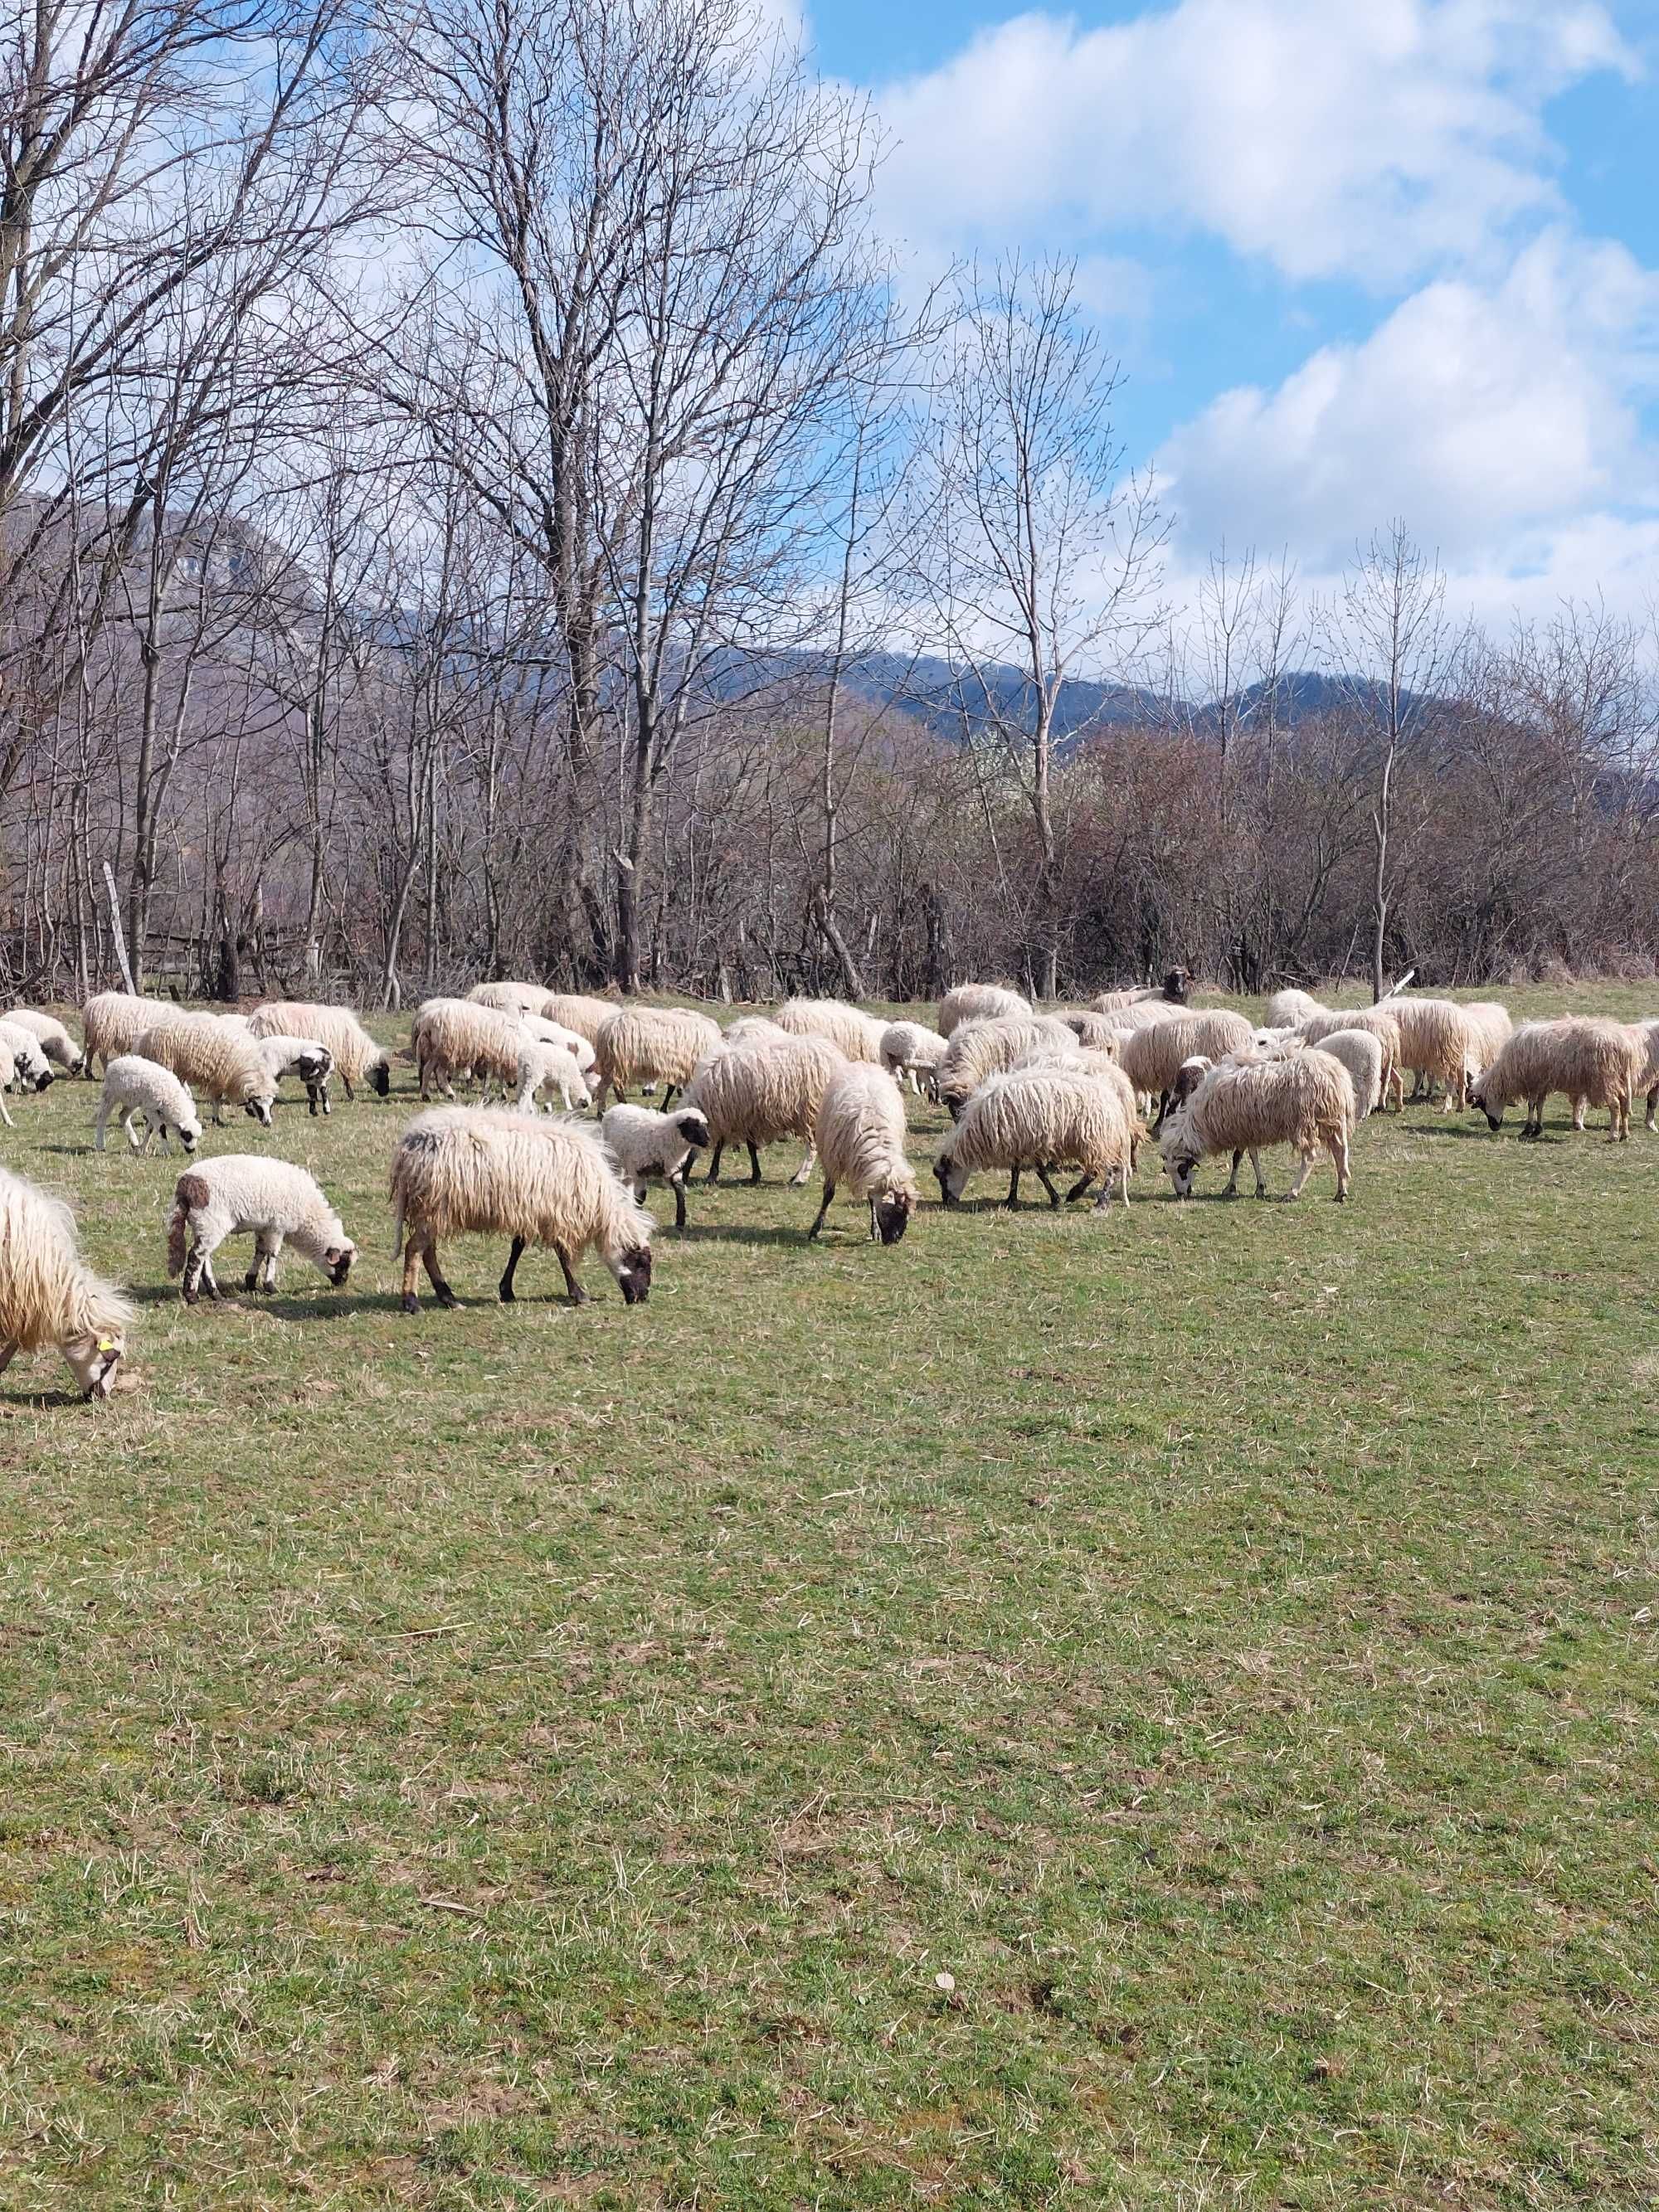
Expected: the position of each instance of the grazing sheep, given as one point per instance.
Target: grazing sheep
(1362, 1053)
(1304, 1100)
(855, 1034)
(1287, 1008)
(1144, 1014)
(48, 1295)
(753, 1028)
(113, 1021)
(1171, 992)
(1593, 1062)
(1490, 1030)
(1381, 1022)
(580, 1047)
(756, 1092)
(859, 1139)
(135, 1089)
(1099, 1068)
(463, 1170)
(313, 1063)
(221, 1063)
(1094, 1032)
(572, 1011)
(1151, 1056)
(242, 1193)
(990, 1045)
(648, 1045)
(1434, 1042)
(909, 1049)
(649, 1146)
(454, 1036)
(55, 1040)
(358, 1058)
(510, 998)
(549, 1067)
(21, 1061)
(1647, 1037)
(1041, 1117)
(981, 1002)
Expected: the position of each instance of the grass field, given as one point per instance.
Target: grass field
(529, 1757)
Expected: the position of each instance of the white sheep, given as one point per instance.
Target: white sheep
(48, 1295)
(460, 1170)
(1041, 1117)
(140, 1090)
(1381, 1021)
(649, 1045)
(549, 1067)
(1647, 1036)
(219, 1062)
(990, 1045)
(580, 1047)
(244, 1193)
(979, 1002)
(1590, 1060)
(358, 1058)
(454, 1036)
(909, 1049)
(1435, 1043)
(510, 998)
(855, 1034)
(1150, 1056)
(573, 1010)
(1304, 1100)
(55, 1040)
(859, 1139)
(649, 1146)
(1361, 1052)
(1171, 992)
(21, 1061)
(113, 1021)
(758, 1090)
(1287, 1008)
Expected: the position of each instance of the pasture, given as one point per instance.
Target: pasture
(1148, 1710)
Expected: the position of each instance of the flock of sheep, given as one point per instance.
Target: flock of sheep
(1080, 1088)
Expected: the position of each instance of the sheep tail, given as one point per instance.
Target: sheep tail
(190, 1191)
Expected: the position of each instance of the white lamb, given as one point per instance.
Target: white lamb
(239, 1193)
(21, 1061)
(580, 1047)
(311, 1061)
(910, 1049)
(649, 1147)
(56, 1042)
(137, 1090)
(551, 1067)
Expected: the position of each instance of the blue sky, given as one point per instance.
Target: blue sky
(1359, 257)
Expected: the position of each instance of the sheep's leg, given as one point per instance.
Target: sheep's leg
(671, 1091)
(829, 1193)
(1302, 1174)
(677, 1184)
(1338, 1148)
(1580, 1110)
(754, 1171)
(578, 1295)
(1229, 1189)
(266, 1245)
(7, 1353)
(713, 1174)
(411, 1261)
(1012, 1198)
(140, 1143)
(441, 1289)
(198, 1267)
(1044, 1179)
(4, 1115)
(1080, 1190)
(103, 1124)
(504, 1289)
(1260, 1180)
(1653, 1108)
(803, 1170)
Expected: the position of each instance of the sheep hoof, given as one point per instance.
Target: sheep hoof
(412, 1304)
(446, 1298)
(250, 1281)
(507, 1294)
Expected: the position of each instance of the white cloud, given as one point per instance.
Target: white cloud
(1375, 138)
(1480, 414)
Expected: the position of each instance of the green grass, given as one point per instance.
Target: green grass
(528, 1757)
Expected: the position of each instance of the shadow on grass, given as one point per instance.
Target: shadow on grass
(735, 1232)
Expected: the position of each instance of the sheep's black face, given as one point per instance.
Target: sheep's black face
(1176, 984)
(942, 1170)
(693, 1128)
(186, 1137)
(258, 1109)
(337, 1261)
(893, 1216)
(43, 1081)
(1182, 1167)
(379, 1079)
(634, 1276)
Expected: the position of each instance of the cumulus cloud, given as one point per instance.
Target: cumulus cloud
(1473, 412)
(1378, 141)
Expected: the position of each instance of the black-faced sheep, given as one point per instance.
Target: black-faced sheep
(55, 1043)
(463, 1170)
(859, 1136)
(1594, 1062)
(1041, 1117)
(358, 1058)
(649, 1146)
(137, 1089)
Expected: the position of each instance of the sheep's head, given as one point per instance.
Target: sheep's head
(337, 1263)
(1190, 1073)
(1177, 983)
(1478, 1100)
(1182, 1154)
(379, 1078)
(893, 1211)
(693, 1127)
(258, 1108)
(94, 1359)
(952, 1176)
(314, 1065)
(189, 1133)
(634, 1274)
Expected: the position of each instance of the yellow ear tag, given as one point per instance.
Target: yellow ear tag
(107, 1343)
